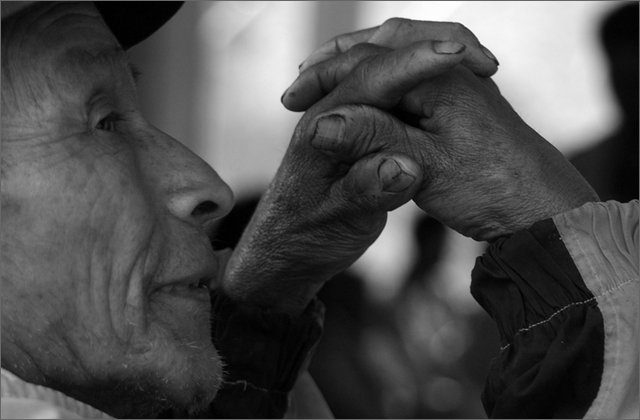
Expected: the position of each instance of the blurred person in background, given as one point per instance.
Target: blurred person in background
(611, 165)
(449, 343)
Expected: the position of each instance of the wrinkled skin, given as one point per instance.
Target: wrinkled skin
(106, 221)
(100, 213)
(321, 212)
(486, 173)
(464, 153)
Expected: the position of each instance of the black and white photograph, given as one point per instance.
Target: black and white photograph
(319, 209)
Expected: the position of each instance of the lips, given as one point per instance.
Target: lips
(199, 280)
(202, 283)
(193, 284)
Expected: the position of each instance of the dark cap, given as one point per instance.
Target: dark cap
(130, 21)
(134, 21)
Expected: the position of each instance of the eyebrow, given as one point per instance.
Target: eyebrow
(76, 60)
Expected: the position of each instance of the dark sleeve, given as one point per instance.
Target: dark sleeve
(552, 337)
(263, 352)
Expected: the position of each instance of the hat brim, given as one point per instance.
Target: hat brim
(133, 21)
(130, 21)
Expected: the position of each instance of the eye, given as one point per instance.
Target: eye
(108, 123)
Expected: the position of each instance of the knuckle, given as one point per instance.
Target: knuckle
(361, 117)
(356, 112)
(461, 31)
(340, 43)
(393, 24)
(457, 27)
(366, 71)
(324, 78)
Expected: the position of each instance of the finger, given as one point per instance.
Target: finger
(363, 131)
(398, 33)
(434, 95)
(379, 80)
(320, 79)
(380, 182)
(348, 133)
(337, 46)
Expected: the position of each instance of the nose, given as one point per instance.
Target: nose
(201, 202)
(190, 188)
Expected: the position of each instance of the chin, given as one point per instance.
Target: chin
(181, 383)
(193, 387)
(167, 379)
(177, 367)
(193, 369)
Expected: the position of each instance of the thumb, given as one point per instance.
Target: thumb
(379, 182)
(350, 132)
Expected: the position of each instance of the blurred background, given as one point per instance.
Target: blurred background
(403, 337)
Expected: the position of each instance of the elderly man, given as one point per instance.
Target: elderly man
(106, 222)
(107, 262)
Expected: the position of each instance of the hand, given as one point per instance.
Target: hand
(486, 173)
(398, 32)
(336, 58)
(316, 218)
(319, 214)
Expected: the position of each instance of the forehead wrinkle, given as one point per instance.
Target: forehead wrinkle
(93, 65)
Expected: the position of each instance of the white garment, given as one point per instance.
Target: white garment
(602, 239)
(24, 400)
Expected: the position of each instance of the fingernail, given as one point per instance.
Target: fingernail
(448, 47)
(395, 176)
(489, 54)
(329, 132)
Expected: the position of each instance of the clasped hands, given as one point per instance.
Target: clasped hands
(397, 112)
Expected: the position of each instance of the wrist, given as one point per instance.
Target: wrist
(262, 279)
(566, 192)
(544, 208)
(549, 187)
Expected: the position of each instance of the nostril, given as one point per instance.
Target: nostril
(205, 208)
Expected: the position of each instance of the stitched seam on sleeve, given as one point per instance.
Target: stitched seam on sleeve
(245, 384)
(556, 313)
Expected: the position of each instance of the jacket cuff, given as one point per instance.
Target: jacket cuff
(602, 239)
(263, 352)
(551, 329)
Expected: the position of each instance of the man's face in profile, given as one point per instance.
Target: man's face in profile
(104, 225)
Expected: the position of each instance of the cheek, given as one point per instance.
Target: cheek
(74, 231)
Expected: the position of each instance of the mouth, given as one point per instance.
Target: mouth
(195, 287)
(198, 283)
